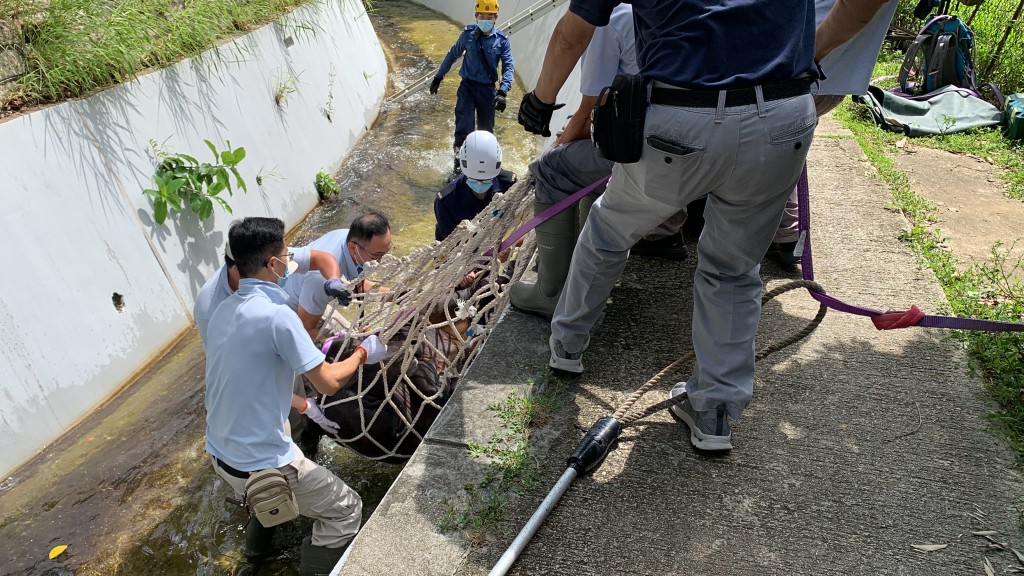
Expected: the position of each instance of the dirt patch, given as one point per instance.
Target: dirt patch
(968, 195)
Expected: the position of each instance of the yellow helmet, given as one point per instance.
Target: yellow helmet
(487, 6)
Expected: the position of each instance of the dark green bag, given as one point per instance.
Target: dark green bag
(1014, 111)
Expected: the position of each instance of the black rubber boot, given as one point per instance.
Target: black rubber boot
(317, 560)
(259, 548)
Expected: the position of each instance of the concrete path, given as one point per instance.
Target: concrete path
(857, 446)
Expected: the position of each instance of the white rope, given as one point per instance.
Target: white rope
(406, 292)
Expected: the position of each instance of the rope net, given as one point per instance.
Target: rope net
(432, 327)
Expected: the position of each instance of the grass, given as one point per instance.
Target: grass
(988, 289)
(73, 47)
(511, 468)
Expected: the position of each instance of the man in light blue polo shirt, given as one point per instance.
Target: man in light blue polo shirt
(368, 238)
(255, 347)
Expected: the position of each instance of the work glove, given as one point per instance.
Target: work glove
(316, 415)
(499, 101)
(435, 84)
(535, 115)
(374, 348)
(335, 289)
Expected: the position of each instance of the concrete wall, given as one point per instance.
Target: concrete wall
(77, 228)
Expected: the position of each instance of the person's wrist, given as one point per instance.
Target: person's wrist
(363, 356)
(305, 406)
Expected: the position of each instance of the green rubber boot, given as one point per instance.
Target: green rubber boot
(556, 239)
(317, 560)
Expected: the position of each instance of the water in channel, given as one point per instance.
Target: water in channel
(130, 490)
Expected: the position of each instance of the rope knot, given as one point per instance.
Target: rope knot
(898, 319)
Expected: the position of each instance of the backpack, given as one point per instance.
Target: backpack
(1014, 112)
(941, 55)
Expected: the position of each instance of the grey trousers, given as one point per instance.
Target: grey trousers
(336, 508)
(789, 228)
(566, 168)
(746, 159)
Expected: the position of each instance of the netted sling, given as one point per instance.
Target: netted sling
(432, 328)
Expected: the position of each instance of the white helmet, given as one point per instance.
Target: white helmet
(480, 156)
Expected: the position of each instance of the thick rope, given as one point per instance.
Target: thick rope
(687, 358)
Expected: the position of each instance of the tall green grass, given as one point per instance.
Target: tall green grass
(74, 46)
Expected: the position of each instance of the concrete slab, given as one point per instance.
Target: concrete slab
(857, 446)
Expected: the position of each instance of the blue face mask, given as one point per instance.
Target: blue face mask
(485, 26)
(282, 280)
(479, 186)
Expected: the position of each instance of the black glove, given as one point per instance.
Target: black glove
(434, 84)
(535, 115)
(499, 101)
(335, 289)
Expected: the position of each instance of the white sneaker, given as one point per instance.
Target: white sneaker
(562, 360)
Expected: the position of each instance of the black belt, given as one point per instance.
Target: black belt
(231, 471)
(733, 97)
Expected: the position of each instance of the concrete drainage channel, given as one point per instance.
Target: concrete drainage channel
(130, 490)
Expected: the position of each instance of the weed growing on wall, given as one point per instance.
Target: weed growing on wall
(181, 179)
(325, 185)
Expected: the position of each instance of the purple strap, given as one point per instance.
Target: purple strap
(549, 212)
(928, 321)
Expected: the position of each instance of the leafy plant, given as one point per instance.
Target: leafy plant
(181, 179)
(284, 87)
(325, 185)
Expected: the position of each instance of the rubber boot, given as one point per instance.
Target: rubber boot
(458, 169)
(259, 548)
(317, 560)
(556, 239)
(584, 212)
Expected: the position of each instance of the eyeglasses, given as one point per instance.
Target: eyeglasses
(487, 182)
(374, 255)
(284, 258)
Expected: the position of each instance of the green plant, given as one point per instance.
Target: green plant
(947, 123)
(182, 179)
(328, 108)
(325, 185)
(284, 87)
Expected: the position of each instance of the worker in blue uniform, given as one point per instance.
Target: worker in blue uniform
(482, 177)
(481, 47)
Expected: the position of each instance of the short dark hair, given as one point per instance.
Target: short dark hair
(365, 227)
(253, 242)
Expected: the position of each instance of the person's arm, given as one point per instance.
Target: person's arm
(325, 263)
(309, 321)
(507, 68)
(844, 21)
(328, 378)
(569, 40)
(578, 127)
(453, 54)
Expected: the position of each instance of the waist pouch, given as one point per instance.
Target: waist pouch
(617, 121)
(269, 498)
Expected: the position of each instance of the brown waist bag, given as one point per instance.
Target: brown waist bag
(269, 498)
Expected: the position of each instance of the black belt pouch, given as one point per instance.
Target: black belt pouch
(617, 121)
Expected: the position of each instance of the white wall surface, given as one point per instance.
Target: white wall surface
(76, 227)
(528, 48)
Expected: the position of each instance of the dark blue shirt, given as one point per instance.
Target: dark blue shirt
(456, 202)
(715, 45)
(481, 65)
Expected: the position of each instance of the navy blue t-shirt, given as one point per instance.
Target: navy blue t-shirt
(702, 44)
(456, 202)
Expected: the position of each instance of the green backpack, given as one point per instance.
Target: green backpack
(1014, 112)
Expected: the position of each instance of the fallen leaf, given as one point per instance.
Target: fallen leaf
(902, 142)
(989, 570)
(57, 550)
(985, 533)
(1020, 557)
(929, 547)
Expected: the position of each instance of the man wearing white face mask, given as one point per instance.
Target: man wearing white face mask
(481, 47)
(465, 196)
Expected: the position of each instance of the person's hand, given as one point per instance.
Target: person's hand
(468, 280)
(316, 415)
(336, 289)
(535, 115)
(435, 84)
(499, 101)
(375, 349)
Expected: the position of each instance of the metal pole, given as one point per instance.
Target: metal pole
(526, 534)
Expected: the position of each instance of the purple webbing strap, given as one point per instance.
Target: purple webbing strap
(549, 212)
(928, 321)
